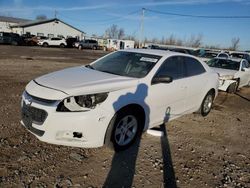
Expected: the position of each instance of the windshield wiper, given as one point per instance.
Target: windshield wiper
(89, 66)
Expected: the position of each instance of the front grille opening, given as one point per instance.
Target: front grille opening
(36, 115)
(38, 99)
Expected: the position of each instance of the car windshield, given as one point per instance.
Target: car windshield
(224, 64)
(129, 64)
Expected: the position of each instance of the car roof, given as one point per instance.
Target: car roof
(157, 52)
(239, 53)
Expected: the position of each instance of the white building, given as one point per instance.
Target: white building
(49, 28)
(7, 22)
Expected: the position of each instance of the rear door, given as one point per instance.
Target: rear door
(196, 82)
(167, 100)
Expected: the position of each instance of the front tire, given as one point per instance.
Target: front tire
(207, 103)
(45, 44)
(127, 127)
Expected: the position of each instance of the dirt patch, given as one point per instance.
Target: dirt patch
(195, 151)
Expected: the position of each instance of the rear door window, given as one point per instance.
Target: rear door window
(193, 66)
(174, 67)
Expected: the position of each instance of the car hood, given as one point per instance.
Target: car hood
(82, 80)
(224, 72)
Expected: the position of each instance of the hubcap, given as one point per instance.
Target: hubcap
(208, 103)
(126, 130)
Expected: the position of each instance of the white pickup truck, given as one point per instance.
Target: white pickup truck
(55, 41)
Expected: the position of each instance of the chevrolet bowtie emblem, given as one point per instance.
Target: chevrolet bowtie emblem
(28, 101)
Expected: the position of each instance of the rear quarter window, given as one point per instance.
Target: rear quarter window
(193, 67)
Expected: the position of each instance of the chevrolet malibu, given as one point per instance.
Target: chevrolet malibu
(114, 99)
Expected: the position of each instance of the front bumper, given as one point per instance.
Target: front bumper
(79, 129)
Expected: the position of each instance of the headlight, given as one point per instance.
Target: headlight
(81, 103)
(226, 77)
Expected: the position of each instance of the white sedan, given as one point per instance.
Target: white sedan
(112, 100)
(234, 73)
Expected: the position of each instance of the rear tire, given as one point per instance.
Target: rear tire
(126, 128)
(207, 103)
(80, 47)
(94, 48)
(62, 45)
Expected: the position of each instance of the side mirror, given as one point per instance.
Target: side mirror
(162, 79)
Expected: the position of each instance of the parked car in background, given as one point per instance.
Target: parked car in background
(223, 55)
(55, 41)
(70, 41)
(30, 40)
(233, 73)
(115, 98)
(10, 38)
(207, 55)
(88, 44)
(243, 55)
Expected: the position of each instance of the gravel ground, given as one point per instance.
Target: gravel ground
(195, 151)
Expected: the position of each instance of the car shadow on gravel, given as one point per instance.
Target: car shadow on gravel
(241, 96)
(123, 165)
(168, 169)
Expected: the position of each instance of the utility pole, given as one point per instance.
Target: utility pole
(141, 42)
(55, 14)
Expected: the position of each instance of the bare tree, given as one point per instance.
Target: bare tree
(162, 40)
(41, 17)
(235, 43)
(155, 40)
(179, 42)
(114, 32)
(121, 33)
(171, 40)
(195, 41)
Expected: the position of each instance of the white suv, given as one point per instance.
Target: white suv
(53, 42)
(112, 100)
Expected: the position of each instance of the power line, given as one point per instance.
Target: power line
(198, 16)
(101, 20)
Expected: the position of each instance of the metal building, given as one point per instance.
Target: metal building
(49, 28)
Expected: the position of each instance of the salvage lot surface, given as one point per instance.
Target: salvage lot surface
(196, 152)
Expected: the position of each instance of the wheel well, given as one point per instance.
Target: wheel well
(212, 90)
(136, 108)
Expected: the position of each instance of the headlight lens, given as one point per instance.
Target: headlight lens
(81, 103)
(227, 77)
